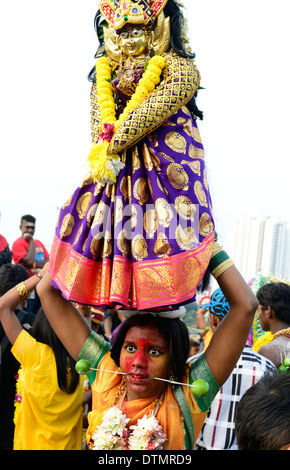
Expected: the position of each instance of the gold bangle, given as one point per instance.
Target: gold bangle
(39, 275)
(22, 291)
(220, 261)
(224, 266)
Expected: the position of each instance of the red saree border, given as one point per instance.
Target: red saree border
(140, 285)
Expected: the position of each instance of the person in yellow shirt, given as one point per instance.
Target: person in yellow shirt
(48, 413)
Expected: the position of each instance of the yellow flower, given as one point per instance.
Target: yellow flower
(104, 99)
(155, 69)
(104, 87)
(147, 84)
(104, 73)
(105, 108)
(102, 61)
(158, 60)
(98, 160)
(98, 157)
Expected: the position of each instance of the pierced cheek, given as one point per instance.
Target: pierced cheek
(128, 364)
(162, 371)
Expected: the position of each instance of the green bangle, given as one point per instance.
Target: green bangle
(220, 261)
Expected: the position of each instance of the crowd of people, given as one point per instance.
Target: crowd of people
(45, 403)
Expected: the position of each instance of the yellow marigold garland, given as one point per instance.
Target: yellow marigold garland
(105, 168)
(264, 339)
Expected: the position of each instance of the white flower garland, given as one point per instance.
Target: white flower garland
(114, 434)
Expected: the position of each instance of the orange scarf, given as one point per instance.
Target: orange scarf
(104, 391)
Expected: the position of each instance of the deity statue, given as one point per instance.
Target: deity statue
(138, 232)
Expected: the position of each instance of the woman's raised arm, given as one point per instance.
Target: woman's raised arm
(10, 301)
(67, 322)
(231, 335)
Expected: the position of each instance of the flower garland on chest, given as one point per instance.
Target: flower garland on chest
(105, 168)
(114, 433)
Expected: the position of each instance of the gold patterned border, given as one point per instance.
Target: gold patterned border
(170, 280)
(80, 279)
(140, 285)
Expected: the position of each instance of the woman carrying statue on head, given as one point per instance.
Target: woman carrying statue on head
(138, 232)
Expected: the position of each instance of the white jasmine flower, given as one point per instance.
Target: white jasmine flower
(115, 165)
(113, 433)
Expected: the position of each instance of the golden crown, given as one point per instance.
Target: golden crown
(137, 12)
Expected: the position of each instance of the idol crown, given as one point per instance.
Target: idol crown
(136, 12)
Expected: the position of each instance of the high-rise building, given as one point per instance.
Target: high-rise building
(259, 243)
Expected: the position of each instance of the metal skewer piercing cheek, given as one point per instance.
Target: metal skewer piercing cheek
(155, 378)
(198, 387)
(110, 371)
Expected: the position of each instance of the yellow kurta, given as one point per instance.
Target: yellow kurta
(48, 418)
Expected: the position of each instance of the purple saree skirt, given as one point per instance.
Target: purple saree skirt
(144, 242)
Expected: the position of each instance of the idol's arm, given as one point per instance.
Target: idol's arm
(180, 83)
(95, 115)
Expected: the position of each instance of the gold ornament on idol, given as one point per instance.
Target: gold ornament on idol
(105, 168)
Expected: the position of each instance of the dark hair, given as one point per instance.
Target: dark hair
(28, 218)
(10, 276)
(263, 414)
(175, 332)
(176, 19)
(43, 333)
(193, 342)
(277, 296)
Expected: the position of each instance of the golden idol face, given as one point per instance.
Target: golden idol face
(133, 41)
(157, 38)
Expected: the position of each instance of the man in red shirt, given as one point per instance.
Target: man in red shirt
(29, 252)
